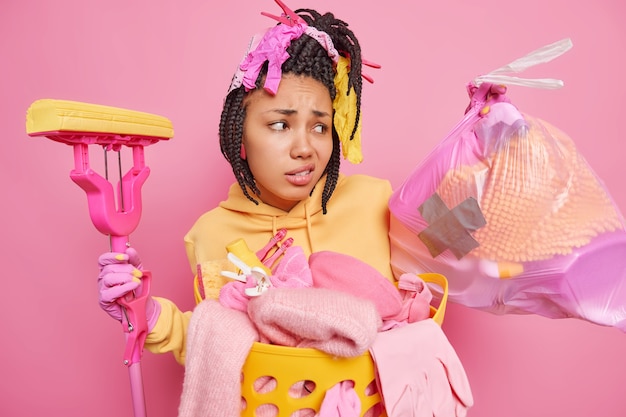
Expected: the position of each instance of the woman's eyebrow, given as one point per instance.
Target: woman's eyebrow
(320, 113)
(287, 112)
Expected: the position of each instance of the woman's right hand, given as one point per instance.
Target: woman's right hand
(120, 274)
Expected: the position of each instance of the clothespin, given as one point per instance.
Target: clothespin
(283, 247)
(247, 272)
(289, 17)
(371, 65)
(262, 284)
(263, 252)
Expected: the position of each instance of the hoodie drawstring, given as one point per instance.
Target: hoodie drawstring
(308, 227)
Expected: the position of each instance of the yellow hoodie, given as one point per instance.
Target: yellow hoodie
(356, 224)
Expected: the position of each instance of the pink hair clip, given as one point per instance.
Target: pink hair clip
(371, 65)
(272, 46)
(289, 17)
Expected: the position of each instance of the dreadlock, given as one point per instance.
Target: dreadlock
(308, 58)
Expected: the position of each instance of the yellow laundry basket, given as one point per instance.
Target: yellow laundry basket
(294, 379)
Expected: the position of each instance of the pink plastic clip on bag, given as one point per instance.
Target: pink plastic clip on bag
(508, 210)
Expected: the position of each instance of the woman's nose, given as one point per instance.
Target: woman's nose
(301, 146)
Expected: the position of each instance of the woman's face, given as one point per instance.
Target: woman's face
(288, 139)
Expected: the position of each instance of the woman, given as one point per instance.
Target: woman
(283, 138)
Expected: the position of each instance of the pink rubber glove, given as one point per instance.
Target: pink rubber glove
(419, 372)
(120, 274)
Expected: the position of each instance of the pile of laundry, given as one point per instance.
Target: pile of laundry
(334, 303)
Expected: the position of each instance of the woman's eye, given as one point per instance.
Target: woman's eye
(320, 128)
(278, 126)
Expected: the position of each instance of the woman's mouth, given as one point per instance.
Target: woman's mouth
(300, 177)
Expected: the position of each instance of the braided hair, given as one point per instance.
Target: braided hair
(308, 58)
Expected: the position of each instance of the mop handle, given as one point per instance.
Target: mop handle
(135, 327)
(118, 223)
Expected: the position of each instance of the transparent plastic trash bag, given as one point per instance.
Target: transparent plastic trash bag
(510, 212)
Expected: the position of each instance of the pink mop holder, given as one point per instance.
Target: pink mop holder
(80, 125)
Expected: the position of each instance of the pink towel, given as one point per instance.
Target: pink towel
(409, 303)
(331, 321)
(419, 373)
(345, 273)
(293, 270)
(218, 342)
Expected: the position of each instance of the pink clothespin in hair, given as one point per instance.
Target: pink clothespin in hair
(371, 65)
(289, 17)
(366, 63)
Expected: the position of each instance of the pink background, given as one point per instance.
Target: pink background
(61, 355)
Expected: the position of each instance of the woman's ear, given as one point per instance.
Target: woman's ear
(242, 153)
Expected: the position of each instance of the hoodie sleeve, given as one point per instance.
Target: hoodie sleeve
(170, 332)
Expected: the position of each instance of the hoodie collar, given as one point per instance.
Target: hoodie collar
(310, 206)
(299, 216)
